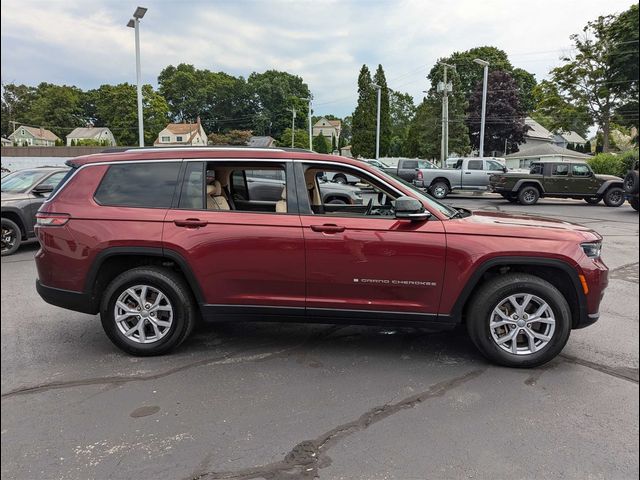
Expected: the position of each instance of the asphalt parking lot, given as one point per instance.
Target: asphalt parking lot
(286, 401)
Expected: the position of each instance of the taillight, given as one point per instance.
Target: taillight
(419, 175)
(52, 219)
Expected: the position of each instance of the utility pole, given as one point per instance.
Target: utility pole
(309, 121)
(485, 64)
(445, 87)
(379, 89)
(293, 126)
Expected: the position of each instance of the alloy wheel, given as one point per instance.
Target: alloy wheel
(522, 324)
(9, 238)
(143, 314)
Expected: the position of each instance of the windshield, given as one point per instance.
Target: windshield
(425, 198)
(19, 182)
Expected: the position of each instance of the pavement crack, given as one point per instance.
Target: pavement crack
(625, 373)
(233, 357)
(305, 459)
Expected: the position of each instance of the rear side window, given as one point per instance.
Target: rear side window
(474, 165)
(560, 170)
(410, 164)
(147, 185)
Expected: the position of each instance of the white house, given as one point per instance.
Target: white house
(330, 129)
(188, 134)
(24, 136)
(563, 139)
(536, 134)
(100, 135)
(541, 151)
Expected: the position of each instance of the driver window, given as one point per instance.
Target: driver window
(359, 196)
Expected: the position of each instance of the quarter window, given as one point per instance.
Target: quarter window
(410, 164)
(142, 185)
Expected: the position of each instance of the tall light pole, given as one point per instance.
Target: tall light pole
(293, 126)
(445, 87)
(379, 89)
(308, 100)
(485, 64)
(135, 23)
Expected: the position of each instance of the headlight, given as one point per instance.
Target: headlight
(592, 250)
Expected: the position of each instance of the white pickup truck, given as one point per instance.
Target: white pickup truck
(467, 174)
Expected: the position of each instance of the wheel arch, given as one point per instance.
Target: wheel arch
(557, 272)
(112, 261)
(525, 182)
(608, 184)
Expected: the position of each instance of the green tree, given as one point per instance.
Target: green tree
(505, 117)
(595, 76)
(275, 93)
(401, 110)
(232, 137)
(16, 101)
(363, 129)
(223, 102)
(380, 79)
(320, 144)
(334, 144)
(58, 108)
(554, 112)
(423, 138)
(301, 139)
(115, 107)
(526, 82)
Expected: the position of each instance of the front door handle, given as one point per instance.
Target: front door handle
(190, 223)
(467, 173)
(328, 228)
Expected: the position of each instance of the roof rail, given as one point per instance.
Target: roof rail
(209, 147)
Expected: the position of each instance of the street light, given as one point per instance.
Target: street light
(485, 64)
(379, 89)
(308, 100)
(135, 23)
(445, 87)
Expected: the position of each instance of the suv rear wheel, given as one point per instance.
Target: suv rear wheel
(147, 311)
(11, 237)
(440, 190)
(614, 197)
(528, 195)
(519, 320)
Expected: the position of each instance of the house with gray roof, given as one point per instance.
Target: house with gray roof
(261, 142)
(91, 134)
(25, 136)
(536, 133)
(533, 152)
(563, 139)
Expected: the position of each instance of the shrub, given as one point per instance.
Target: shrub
(613, 164)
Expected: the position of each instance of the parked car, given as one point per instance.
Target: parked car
(558, 180)
(407, 167)
(631, 187)
(153, 246)
(468, 174)
(23, 192)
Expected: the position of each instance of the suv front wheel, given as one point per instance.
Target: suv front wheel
(519, 320)
(147, 311)
(11, 236)
(614, 197)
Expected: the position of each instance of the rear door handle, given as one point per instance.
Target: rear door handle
(190, 223)
(467, 173)
(328, 228)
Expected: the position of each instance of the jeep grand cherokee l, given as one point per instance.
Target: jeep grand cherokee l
(155, 239)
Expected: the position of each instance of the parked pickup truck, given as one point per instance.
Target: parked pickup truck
(548, 178)
(468, 174)
(407, 169)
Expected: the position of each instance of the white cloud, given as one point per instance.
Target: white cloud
(86, 42)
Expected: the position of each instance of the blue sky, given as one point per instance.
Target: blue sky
(86, 42)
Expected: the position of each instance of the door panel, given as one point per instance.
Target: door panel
(373, 263)
(475, 176)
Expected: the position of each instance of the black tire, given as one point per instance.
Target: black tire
(492, 294)
(593, 200)
(337, 201)
(439, 190)
(528, 195)
(634, 203)
(11, 237)
(511, 199)
(631, 182)
(178, 294)
(614, 197)
(341, 179)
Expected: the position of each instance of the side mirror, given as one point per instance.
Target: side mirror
(42, 189)
(505, 169)
(408, 208)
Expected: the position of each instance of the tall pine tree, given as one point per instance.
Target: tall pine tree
(363, 130)
(385, 117)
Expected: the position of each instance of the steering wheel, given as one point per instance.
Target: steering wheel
(369, 207)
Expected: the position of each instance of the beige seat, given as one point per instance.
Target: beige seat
(281, 205)
(215, 197)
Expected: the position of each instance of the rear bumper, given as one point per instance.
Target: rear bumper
(419, 183)
(77, 301)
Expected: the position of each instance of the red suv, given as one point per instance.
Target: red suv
(155, 239)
